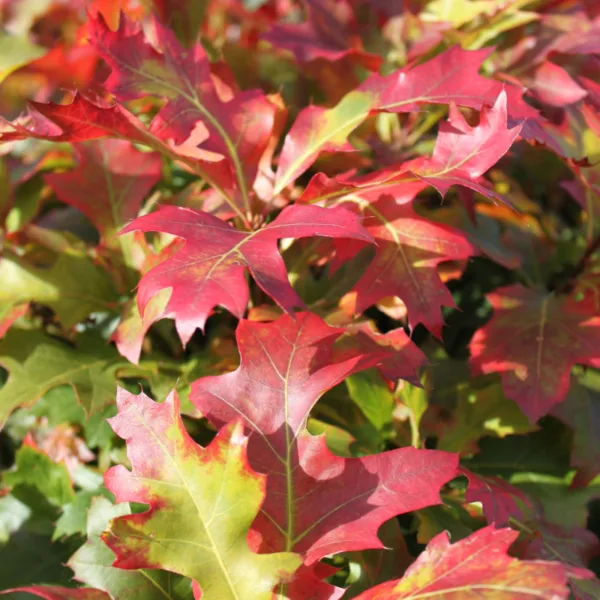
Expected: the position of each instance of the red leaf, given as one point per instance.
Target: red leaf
(500, 499)
(210, 269)
(325, 34)
(555, 87)
(198, 113)
(405, 358)
(79, 121)
(534, 339)
(573, 546)
(408, 250)
(463, 153)
(110, 182)
(475, 567)
(308, 584)
(450, 77)
(316, 503)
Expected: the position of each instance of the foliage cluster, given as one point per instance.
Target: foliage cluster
(299, 299)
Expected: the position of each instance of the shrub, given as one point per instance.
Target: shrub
(300, 300)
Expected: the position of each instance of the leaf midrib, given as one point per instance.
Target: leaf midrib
(222, 566)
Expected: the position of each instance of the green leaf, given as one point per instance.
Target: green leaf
(415, 404)
(73, 287)
(545, 451)
(372, 395)
(92, 563)
(202, 502)
(36, 469)
(74, 517)
(16, 52)
(482, 410)
(38, 363)
(13, 513)
(30, 557)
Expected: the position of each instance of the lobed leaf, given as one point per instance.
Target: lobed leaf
(201, 501)
(474, 567)
(210, 268)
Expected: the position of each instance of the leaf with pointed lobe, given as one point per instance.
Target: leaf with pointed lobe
(316, 503)
(52, 592)
(318, 130)
(210, 269)
(196, 114)
(463, 153)
(405, 359)
(308, 584)
(450, 77)
(38, 363)
(83, 120)
(109, 184)
(202, 502)
(409, 249)
(72, 285)
(132, 328)
(475, 567)
(552, 85)
(534, 339)
(92, 563)
(78, 121)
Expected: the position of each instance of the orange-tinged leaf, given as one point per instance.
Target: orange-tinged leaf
(475, 568)
(202, 502)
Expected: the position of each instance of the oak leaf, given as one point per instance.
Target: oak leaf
(110, 182)
(202, 502)
(316, 503)
(210, 269)
(534, 339)
(475, 567)
(409, 249)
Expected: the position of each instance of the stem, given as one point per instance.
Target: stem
(426, 124)
(415, 438)
(589, 202)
